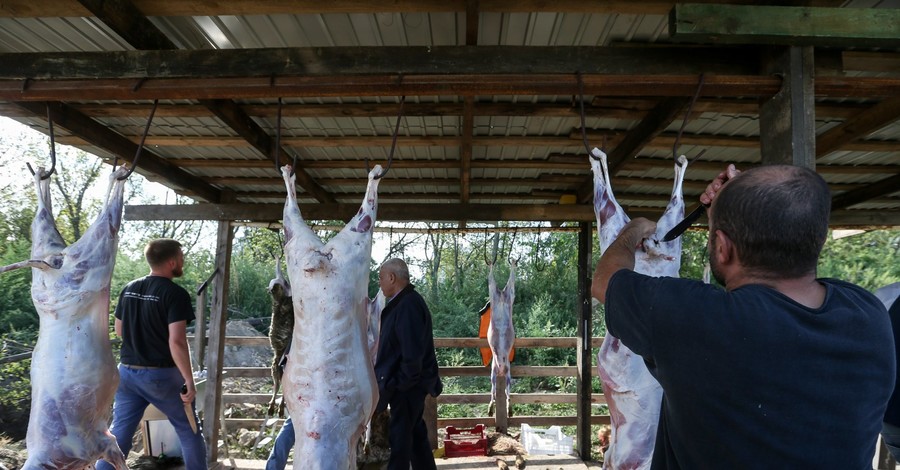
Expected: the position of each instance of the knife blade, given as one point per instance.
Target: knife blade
(688, 220)
(189, 411)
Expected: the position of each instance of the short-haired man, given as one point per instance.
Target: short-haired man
(406, 367)
(151, 318)
(778, 370)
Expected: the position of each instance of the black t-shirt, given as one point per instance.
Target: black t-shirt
(146, 308)
(752, 379)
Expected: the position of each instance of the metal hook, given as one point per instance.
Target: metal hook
(686, 116)
(584, 139)
(46, 174)
(137, 154)
(496, 242)
(393, 143)
(277, 148)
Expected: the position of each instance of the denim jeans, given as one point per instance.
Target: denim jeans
(891, 436)
(139, 388)
(284, 441)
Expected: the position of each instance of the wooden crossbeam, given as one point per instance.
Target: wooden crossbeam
(150, 163)
(128, 22)
(69, 8)
(883, 187)
(793, 26)
(465, 149)
(861, 125)
(385, 60)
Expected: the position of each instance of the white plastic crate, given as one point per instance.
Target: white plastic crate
(550, 441)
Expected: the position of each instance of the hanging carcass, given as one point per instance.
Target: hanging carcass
(501, 334)
(280, 330)
(633, 395)
(73, 372)
(329, 383)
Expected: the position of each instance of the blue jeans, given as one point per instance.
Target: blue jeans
(284, 441)
(891, 436)
(139, 388)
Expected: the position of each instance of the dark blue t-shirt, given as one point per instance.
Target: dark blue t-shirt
(146, 308)
(752, 379)
(892, 415)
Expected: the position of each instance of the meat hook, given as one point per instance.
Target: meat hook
(393, 143)
(46, 174)
(137, 153)
(277, 148)
(687, 115)
(587, 148)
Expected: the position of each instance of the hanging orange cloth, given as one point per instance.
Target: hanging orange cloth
(486, 354)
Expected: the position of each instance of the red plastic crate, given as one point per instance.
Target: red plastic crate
(465, 442)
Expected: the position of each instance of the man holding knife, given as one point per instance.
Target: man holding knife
(155, 364)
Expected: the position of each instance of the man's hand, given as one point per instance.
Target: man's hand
(620, 254)
(188, 392)
(713, 188)
(635, 231)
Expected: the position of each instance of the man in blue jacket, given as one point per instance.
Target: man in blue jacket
(406, 367)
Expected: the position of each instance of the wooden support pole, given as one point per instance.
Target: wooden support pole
(584, 354)
(200, 330)
(787, 124)
(431, 418)
(212, 400)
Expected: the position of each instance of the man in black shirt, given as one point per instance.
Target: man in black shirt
(155, 363)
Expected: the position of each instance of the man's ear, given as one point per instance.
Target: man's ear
(724, 250)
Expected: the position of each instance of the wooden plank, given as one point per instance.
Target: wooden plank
(100, 136)
(465, 149)
(212, 399)
(129, 23)
(517, 371)
(319, 62)
(517, 398)
(787, 124)
(445, 84)
(232, 115)
(656, 121)
(887, 62)
(531, 342)
(793, 26)
(859, 126)
(247, 371)
(516, 421)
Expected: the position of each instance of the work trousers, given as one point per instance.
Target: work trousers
(408, 434)
(139, 388)
(284, 442)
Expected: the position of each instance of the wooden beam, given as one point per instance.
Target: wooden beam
(465, 149)
(792, 26)
(128, 22)
(880, 188)
(232, 115)
(320, 62)
(885, 62)
(100, 136)
(68, 8)
(472, 22)
(537, 421)
(428, 85)
(212, 399)
(861, 125)
(656, 121)
(787, 124)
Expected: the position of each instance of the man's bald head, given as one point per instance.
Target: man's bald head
(393, 276)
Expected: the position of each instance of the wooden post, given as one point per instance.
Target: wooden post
(583, 341)
(212, 400)
(501, 417)
(431, 417)
(200, 330)
(787, 124)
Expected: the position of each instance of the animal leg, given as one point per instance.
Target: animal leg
(112, 454)
(276, 383)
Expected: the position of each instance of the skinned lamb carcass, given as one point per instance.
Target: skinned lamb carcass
(73, 372)
(501, 335)
(280, 330)
(633, 395)
(329, 383)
